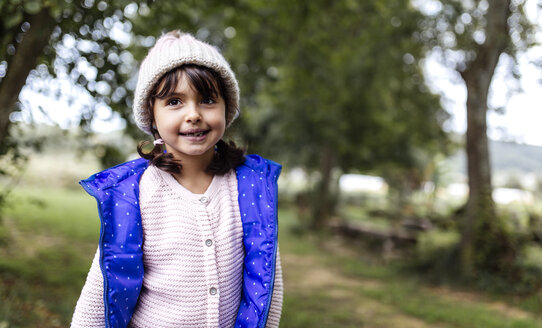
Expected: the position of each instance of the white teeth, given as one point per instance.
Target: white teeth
(197, 134)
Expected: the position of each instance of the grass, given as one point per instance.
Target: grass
(386, 289)
(54, 211)
(52, 235)
(361, 215)
(409, 298)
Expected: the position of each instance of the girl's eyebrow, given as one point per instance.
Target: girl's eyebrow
(172, 94)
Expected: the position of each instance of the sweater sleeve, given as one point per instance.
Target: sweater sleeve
(89, 311)
(273, 319)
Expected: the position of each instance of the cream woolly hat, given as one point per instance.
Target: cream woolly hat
(170, 51)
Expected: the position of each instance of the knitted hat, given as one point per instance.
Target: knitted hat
(173, 50)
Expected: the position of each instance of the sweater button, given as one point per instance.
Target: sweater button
(212, 291)
(209, 242)
(204, 200)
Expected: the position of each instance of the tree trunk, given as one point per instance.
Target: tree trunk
(323, 200)
(23, 61)
(477, 77)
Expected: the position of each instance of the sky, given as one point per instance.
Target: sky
(62, 112)
(518, 120)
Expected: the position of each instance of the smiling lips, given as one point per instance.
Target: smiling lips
(194, 133)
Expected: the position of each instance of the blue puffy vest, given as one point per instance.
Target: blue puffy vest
(121, 237)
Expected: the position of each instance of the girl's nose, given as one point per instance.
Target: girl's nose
(193, 115)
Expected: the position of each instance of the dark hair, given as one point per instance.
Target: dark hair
(208, 84)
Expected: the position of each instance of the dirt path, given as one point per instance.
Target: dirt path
(307, 274)
(302, 273)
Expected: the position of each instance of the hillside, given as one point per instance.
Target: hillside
(507, 158)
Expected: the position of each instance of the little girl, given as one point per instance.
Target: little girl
(188, 232)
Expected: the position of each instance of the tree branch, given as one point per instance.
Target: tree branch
(24, 60)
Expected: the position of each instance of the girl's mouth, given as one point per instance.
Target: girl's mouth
(194, 133)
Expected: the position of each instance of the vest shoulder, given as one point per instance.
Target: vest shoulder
(116, 174)
(257, 162)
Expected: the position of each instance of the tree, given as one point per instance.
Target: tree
(476, 34)
(72, 39)
(339, 91)
(39, 27)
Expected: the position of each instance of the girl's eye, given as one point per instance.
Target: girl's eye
(174, 102)
(208, 101)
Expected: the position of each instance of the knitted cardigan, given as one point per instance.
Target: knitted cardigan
(121, 258)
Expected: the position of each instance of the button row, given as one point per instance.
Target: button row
(204, 200)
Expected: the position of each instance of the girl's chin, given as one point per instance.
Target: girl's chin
(192, 152)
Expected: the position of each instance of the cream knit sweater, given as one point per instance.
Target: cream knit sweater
(193, 255)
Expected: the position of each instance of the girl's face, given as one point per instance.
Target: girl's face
(189, 123)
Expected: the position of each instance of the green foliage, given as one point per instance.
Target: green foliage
(332, 88)
(109, 155)
(459, 26)
(12, 163)
(333, 80)
(498, 249)
(84, 48)
(500, 262)
(4, 236)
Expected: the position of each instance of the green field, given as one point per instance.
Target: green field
(50, 235)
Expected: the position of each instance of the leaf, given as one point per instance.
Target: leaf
(56, 11)
(13, 20)
(32, 7)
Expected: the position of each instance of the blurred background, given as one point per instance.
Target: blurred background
(408, 130)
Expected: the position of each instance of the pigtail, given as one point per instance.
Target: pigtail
(159, 158)
(227, 156)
